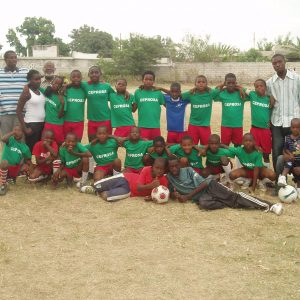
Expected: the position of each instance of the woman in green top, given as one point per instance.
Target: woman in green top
(54, 109)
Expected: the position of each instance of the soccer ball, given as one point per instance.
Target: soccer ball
(288, 194)
(160, 194)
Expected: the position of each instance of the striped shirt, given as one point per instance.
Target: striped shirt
(287, 94)
(11, 87)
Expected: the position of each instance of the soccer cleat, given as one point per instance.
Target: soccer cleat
(277, 209)
(246, 184)
(88, 189)
(281, 180)
(3, 189)
(261, 186)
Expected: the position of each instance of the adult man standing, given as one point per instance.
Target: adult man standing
(49, 74)
(12, 81)
(284, 86)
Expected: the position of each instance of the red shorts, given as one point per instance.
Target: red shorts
(13, 171)
(135, 171)
(249, 173)
(72, 172)
(215, 170)
(107, 169)
(45, 169)
(149, 133)
(74, 127)
(263, 138)
(58, 132)
(123, 131)
(93, 125)
(199, 134)
(231, 134)
(175, 137)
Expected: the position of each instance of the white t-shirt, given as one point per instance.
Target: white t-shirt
(35, 108)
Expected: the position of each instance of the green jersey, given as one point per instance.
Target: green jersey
(201, 106)
(52, 109)
(193, 158)
(260, 110)
(248, 160)
(74, 105)
(97, 95)
(104, 154)
(121, 110)
(214, 159)
(135, 153)
(155, 155)
(14, 151)
(70, 160)
(232, 109)
(148, 103)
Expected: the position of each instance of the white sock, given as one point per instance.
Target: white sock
(238, 163)
(92, 164)
(227, 169)
(267, 165)
(84, 176)
(55, 165)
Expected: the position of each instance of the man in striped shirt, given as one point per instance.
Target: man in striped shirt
(284, 85)
(12, 81)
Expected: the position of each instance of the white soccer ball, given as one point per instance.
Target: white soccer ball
(288, 194)
(160, 194)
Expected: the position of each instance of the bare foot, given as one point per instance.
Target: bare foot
(148, 198)
(103, 195)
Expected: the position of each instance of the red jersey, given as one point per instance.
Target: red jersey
(39, 150)
(145, 177)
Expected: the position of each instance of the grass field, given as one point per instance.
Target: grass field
(60, 244)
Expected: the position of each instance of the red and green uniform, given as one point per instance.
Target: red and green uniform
(105, 153)
(193, 158)
(70, 160)
(149, 107)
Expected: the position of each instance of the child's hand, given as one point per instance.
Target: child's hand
(28, 131)
(193, 91)
(258, 148)
(155, 183)
(70, 149)
(141, 87)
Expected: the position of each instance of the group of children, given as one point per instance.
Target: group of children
(60, 155)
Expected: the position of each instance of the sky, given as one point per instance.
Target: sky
(230, 22)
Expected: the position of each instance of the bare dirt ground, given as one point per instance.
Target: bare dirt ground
(65, 245)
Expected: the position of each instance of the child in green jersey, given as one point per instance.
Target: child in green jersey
(159, 149)
(261, 106)
(14, 152)
(121, 110)
(201, 98)
(252, 164)
(188, 154)
(136, 148)
(217, 157)
(232, 111)
(104, 150)
(148, 101)
(98, 94)
(54, 109)
(74, 106)
(74, 161)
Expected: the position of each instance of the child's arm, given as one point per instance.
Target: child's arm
(272, 101)
(201, 151)
(24, 97)
(168, 152)
(62, 102)
(220, 86)
(166, 91)
(6, 137)
(79, 154)
(53, 153)
(183, 198)
(142, 187)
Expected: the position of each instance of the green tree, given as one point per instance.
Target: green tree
(135, 55)
(252, 55)
(90, 40)
(265, 45)
(36, 31)
(198, 49)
